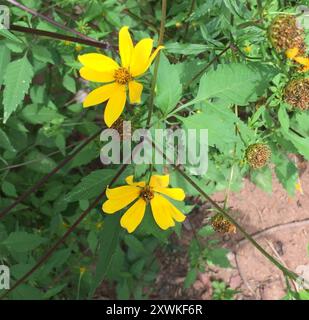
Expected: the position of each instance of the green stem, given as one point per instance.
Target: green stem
(156, 67)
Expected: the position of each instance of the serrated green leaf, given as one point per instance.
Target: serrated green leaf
(17, 80)
(235, 83)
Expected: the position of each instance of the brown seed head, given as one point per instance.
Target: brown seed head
(296, 93)
(285, 34)
(258, 155)
(222, 225)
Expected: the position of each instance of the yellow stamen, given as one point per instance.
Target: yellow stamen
(122, 76)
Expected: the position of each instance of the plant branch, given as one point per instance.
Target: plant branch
(54, 35)
(53, 22)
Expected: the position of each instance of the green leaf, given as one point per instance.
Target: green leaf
(42, 54)
(5, 57)
(263, 179)
(218, 257)
(109, 241)
(17, 80)
(26, 292)
(219, 121)
(91, 185)
(22, 241)
(5, 142)
(206, 231)
(169, 88)
(284, 118)
(301, 144)
(69, 83)
(286, 172)
(235, 83)
(32, 113)
(134, 244)
(8, 35)
(9, 189)
(186, 48)
(190, 278)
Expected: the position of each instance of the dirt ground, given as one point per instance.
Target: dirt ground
(278, 222)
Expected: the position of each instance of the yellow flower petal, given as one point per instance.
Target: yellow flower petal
(159, 181)
(115, 105)
(305, 69)
(125, 46)
(99, 95)
(130, 181)
(95, 76)
(140, 57)
(121, 192)
(302, 60)
(172, 210)
(135, 91)
(292, 53)
(98, 62)
(176, 214)
(152, 57)
(133, 216)
(174, 193)
(113, 205)
(161, 212)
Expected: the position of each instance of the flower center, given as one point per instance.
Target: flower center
(147, 194)
(122, 76)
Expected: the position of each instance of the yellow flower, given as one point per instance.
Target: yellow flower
(163, 211)
(304, 62)
(293, 55)
(78, 47)
(248, 49)
(135, 61)
(82, 270)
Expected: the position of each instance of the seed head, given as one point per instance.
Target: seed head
(222, 225)
(258, 155)
(285, 34)
(296, 93)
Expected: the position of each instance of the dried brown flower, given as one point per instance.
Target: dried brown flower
(258, 155)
